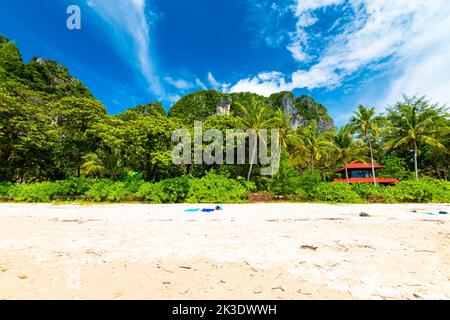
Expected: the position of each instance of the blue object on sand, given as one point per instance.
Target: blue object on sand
(191, 210)
(208, 210)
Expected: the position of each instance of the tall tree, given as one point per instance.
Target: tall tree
(363, 122)
(346, 147)
(415, 122)
(256, 116)
(316, 144)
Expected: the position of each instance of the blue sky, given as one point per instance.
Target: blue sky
(341, 52)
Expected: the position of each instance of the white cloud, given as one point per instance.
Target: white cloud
(264, 84)
(410, 37)
(173, 98)
(179, 83)
(127, 20)
(200, 84)
(216, 84)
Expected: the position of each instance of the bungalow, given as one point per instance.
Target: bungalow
(359, 172)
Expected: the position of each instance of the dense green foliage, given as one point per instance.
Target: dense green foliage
(57, 142)
(214, 188)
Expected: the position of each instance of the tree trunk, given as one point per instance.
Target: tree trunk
(251, 164)
(415, 160)
(346, 174)
(373, 162)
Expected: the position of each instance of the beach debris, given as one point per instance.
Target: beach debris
(166, 282)
(207, 210)
(364, 215)
(184, 267)
(23, 277)
(219, 208)
(278, 288)
(308, 247)
(305, 293)
(417, 296)
(443, 212)
(192, 210)
(258, 290)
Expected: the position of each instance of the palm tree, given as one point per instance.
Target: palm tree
(414, 122)
(364, 122)
(316, 144)
(283, 122)
(109, 164)
(347, 148)
(256, 116)
(92, 165)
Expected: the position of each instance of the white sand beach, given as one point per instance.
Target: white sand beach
(250, 251)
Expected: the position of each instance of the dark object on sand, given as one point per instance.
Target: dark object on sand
(443, 212)
(364, 215)
(306, 247)
(208, 210)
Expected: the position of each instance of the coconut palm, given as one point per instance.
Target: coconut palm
(363, 122)
(92, 166)
(256, 116)
(414, 122)
(347, 148)
(316, 144)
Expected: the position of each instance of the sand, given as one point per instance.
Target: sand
(251, 251)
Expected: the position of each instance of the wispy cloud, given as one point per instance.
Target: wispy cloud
(180, 84)
(216, 84)
(128, 21)
(408, 37)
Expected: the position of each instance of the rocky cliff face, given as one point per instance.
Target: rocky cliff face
(304, 110)
(204, 104)
(224, 106)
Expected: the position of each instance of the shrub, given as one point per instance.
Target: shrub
(36, 192)
(99, 190)
(308, 181)
(5, 189)
(74, 186)
(335, 192)
(371, 193)
(422, 190)
(173, 190)
(216, 189)
(167, 191)
(149, 192)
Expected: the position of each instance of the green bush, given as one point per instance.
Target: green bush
(216, 189)
(309, 181)
(5, 189)
(167, 191)
(335, 192)
(422, 190)
(36, 192)
(149, 192)
(99, 190)
(173, 190)
(74, 186)
(371, 193)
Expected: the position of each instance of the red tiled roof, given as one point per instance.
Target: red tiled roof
(359, 165)
(368, 180)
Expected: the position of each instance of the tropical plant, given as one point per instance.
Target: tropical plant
(347, 148)
(415, 122)
(363, 122)
(256, 116)
(316, 144)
